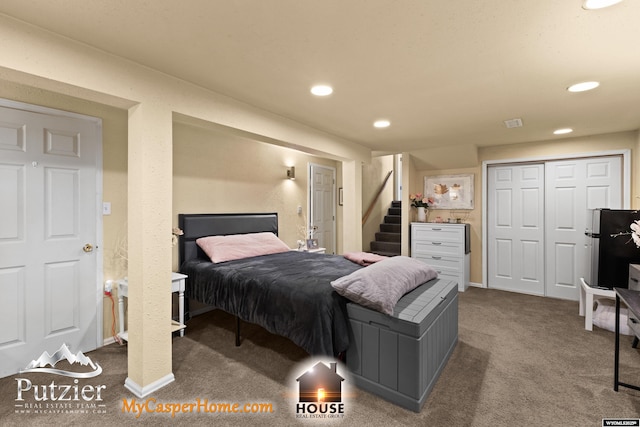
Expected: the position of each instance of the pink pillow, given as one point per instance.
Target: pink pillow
(238, 246)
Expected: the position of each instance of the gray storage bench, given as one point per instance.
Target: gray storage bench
(400, 357)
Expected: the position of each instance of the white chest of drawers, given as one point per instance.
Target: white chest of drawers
(445, 247)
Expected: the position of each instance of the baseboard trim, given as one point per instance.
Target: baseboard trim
(108, 341)
(476, 285)
(141, 392)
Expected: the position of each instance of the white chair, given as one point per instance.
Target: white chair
(586, 301)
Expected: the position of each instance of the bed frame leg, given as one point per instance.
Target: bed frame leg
(237, 331)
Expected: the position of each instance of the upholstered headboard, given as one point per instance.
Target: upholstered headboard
(195, 226)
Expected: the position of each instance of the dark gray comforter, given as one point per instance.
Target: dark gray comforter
(288, 294)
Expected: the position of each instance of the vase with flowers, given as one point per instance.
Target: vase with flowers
(422, 203)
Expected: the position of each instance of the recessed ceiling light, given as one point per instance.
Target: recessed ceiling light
(382, 123)
(584, 86)
(598, 4)
(562, 131)
(322, 90)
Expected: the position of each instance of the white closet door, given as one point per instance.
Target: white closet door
(573, 187)
(48, 168)
(515, 228)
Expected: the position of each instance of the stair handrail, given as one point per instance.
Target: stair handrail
(375, 199)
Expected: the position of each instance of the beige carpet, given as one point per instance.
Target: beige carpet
(520, 360)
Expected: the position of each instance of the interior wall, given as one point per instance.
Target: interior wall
(373, 175)
(218, 172)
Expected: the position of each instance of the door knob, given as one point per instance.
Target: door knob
(87, 248)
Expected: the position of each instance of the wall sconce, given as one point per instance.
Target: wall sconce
(291, 172)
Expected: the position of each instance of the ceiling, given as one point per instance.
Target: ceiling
(445, 73)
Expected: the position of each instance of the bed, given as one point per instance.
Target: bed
(288, 293)
(395, 347)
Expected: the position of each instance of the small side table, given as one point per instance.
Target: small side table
(177, 285)
(315, 250)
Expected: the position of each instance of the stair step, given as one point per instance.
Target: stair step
(395, 211)
(388, 237)
(388, 247)
(392, 219)
(385, 253)
(391, 228)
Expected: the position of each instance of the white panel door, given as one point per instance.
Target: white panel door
(573, 187)
(322, 204)
(48, 287)
(515, 228)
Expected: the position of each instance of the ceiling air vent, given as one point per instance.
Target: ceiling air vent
(513, 123)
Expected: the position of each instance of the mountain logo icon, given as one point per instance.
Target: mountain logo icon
(63, 353)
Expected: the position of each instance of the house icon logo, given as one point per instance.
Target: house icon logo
(321, 383)
(320, 392)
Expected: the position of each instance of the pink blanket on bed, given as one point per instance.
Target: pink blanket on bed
(364, 258)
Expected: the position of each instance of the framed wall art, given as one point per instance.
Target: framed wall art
(450, 191)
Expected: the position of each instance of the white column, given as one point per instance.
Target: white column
(352, 206)
(149, 247)
(408, 171)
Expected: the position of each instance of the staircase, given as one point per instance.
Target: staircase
(388, 238)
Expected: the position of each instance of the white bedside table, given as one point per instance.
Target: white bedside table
(316, 250)
(177, 285)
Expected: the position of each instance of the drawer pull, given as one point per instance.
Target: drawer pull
(632, 320)
(436, 257)
(439, 243)
(633, 279)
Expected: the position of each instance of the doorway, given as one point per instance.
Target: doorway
(49, 228)
(322, 206)
(397, 177)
